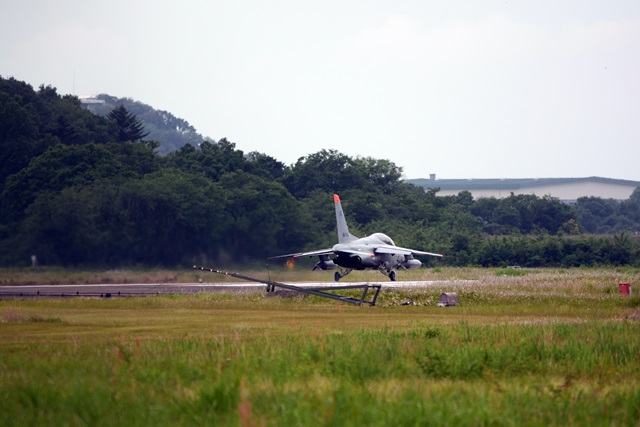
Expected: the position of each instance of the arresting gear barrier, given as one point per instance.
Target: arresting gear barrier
(319, 292)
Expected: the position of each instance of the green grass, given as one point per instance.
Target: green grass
(511, 272)
(546, 348)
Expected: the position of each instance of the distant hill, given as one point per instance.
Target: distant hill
(170, 131)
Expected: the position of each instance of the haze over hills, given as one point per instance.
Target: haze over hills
(170, 131)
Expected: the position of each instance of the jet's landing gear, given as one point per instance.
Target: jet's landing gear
(391, 274)
(340, 274)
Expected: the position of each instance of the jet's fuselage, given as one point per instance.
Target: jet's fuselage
(360, 254)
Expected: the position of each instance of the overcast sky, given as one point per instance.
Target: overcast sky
(459, 88)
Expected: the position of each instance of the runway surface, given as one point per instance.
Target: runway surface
(145, 289)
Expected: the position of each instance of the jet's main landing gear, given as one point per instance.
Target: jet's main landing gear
(391, 274)
(340, 274)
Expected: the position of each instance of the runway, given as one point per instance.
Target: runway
(147, 289)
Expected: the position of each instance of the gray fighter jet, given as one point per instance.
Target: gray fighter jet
(376, 251)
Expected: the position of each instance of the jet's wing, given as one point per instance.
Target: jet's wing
(390, 249)
(303, 254)
(350, 252)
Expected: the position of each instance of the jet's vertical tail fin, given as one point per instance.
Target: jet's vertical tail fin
(343, 230)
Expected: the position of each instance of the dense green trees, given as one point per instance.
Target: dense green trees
(125, 126)
(155, 219)
(522, 214)
(606, 216)
(82, 189)
(331, 171)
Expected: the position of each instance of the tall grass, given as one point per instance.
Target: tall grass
(460, 374)
(545, 348)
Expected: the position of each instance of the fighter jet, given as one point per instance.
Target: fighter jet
(376, 251)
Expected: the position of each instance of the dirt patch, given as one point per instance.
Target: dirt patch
(633, 316)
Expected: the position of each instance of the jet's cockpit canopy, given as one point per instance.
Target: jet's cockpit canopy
(384, 238)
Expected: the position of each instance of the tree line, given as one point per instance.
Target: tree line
(80, 189)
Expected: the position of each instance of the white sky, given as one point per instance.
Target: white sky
(460, 88)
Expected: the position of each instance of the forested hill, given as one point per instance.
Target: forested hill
(169, 131)
(81, 189)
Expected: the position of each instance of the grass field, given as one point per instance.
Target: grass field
(525, 347)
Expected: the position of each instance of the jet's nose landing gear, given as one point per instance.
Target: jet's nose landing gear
(392, 276)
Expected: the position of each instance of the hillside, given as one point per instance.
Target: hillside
(170, 131)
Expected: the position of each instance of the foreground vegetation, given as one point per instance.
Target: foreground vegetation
(525, 347)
